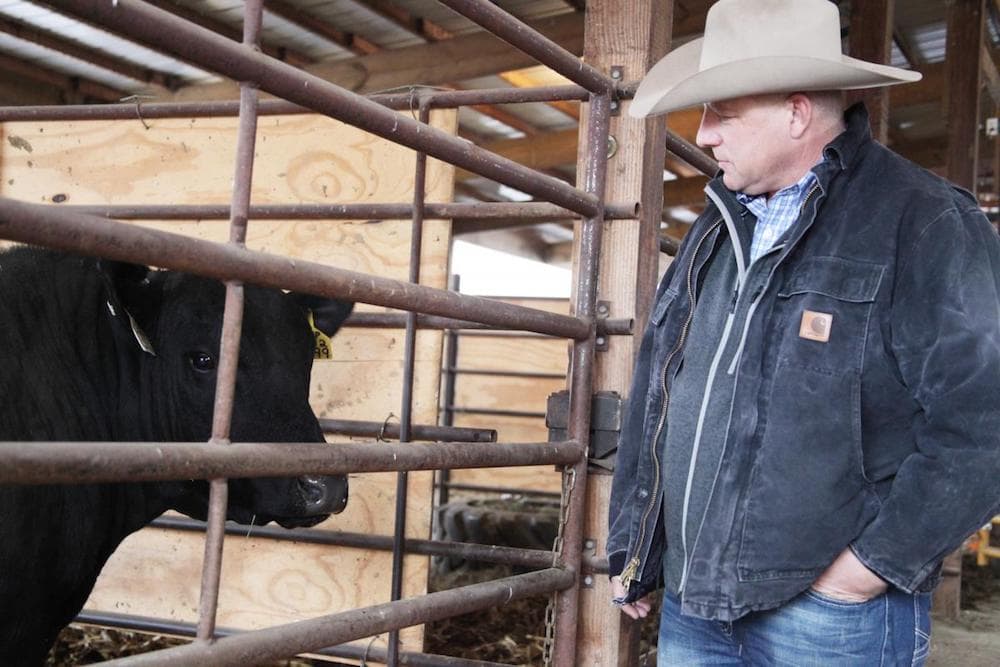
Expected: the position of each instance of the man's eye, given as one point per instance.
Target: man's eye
(202, 362)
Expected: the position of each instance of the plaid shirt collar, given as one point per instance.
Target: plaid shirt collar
(777, 214)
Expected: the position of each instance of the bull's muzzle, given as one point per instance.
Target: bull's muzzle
(323, 495)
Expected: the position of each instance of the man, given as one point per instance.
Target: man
(814, 420)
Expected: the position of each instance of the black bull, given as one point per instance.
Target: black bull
(92, 350)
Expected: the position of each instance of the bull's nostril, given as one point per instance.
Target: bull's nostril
(313, 490)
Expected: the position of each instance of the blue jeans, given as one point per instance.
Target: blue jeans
(892, 629)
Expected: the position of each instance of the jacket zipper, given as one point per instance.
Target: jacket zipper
(632, 567)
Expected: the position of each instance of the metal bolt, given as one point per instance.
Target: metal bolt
(617, 72)
(588, 581)
(602, 309)
(612, 146)
(600, 340)
(589, 544)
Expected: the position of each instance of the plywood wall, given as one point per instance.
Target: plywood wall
(299, 159)
(518, 354)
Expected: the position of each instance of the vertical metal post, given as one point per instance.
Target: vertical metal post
(581, 379)
(451, 337)
(232, 324)
(409, 357)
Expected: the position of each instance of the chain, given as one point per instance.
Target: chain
(568, 482)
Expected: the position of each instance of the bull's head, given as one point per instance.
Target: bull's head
(174, 321)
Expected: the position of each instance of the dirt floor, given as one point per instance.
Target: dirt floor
(515, 635)
(974, 639)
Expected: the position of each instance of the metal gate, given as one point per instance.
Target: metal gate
(88, 230)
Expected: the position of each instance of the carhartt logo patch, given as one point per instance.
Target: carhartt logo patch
(816, 326)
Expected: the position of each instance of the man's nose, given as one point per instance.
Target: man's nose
(708, 136)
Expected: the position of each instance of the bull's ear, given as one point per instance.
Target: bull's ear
(131, 298)
(327, 314)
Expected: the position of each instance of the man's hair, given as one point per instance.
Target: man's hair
(830, 103)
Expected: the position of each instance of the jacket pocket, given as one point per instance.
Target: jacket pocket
(662, 306)
(822, 314)
(806, 497)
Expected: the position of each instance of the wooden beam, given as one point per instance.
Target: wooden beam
(543, 151)
(351, 42)
(928, 153)
(685, 192)
(906, 48)
(963, 66)
(75, 89)
(633, 36)
(18, 91)
(871, 39)
(524, 242)
(415, 25)
(464, 57)
(291, 56)
(964, 46)
(990, 74)
(59, 44)
(927, 90)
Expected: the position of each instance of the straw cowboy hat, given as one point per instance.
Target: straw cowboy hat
(759, 46)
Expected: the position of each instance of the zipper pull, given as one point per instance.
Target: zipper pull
(628, 574)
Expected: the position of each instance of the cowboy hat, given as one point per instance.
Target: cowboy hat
(752, 47)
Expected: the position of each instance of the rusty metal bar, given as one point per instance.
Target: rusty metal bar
(496, 412)
(437, 99)
(232, 328)
(406, 401)
(390, 431)
(522, 36)
(284, 640)
(691, 154)
(504, 490)
(91, 462)
(445, 414)
(503, 373)
(608, 327)
(669, 246)
(500, 555)
(530, 212)
(180, 629)
(581, 381)
(49, 226)
(162, 30)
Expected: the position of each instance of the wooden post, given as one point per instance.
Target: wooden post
(871, 39)
(631, 36)
(962, 74)
(962, 77)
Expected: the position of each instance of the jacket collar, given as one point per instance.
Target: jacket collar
(844, 149)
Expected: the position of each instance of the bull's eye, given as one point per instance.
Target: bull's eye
(202, 362)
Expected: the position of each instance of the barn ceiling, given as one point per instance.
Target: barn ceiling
(369, 45)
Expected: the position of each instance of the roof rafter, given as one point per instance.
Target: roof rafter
(350, 41)
(290, 56)
(74, 88)
(54, 42)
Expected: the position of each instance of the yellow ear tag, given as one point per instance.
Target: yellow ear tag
(324, 348)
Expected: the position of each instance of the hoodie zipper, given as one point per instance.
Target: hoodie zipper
(632, 567)
(755, 300)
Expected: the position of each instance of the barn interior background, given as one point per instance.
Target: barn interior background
(88, 122)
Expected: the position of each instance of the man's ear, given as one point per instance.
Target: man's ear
(327, 314)
(132, 299)
(801, 108)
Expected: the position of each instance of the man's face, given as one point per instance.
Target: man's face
(749, 137)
